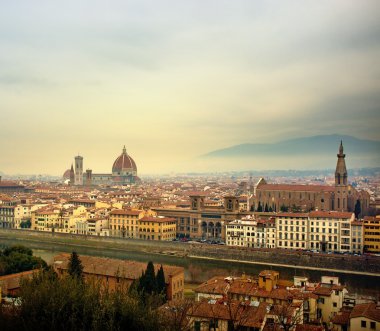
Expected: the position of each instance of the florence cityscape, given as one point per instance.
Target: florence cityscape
(190, 165)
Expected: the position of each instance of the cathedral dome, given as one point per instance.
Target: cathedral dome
(124, 165)
(66, 174)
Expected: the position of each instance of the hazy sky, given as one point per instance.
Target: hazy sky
(176, 79)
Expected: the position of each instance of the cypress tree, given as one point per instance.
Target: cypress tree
(358, 209)
(266, 208)
(161, 287)
(259, 207)
(75, 267)
(150, 281)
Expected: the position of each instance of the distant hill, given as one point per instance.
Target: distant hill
(316, 145)
(317, 152)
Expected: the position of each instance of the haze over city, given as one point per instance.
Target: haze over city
(176, 80)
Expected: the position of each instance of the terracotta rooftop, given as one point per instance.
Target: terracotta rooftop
(325, 291)
(330, 214)
(342, 318)
(156, 219)
(247, 315)
(298, 188)
(292, 215)
(112, 267)
(369, 310)
(125, 212)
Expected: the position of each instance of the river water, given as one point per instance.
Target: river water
(197, 270)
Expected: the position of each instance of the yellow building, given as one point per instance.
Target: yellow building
(45, 219)
(330, 298)
(157, 228)
(371, 227)
(124, 222)
(365, 316)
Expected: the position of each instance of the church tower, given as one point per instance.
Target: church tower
(78, 170)
(341, 186)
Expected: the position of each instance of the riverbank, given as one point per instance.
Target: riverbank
(356, 265)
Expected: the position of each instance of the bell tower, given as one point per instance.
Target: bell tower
(78, 170)
(341, 186)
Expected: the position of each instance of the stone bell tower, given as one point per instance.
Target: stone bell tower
(341, 185)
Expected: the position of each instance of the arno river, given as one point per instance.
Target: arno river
(197, 271)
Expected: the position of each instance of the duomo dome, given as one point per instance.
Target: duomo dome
(124, 165)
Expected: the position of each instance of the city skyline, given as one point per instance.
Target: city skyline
(173, 81)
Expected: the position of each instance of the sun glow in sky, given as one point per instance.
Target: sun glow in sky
(173, 80)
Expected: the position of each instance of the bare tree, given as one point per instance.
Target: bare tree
(287, 316)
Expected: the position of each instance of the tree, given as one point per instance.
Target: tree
(75, 267)
(25, 224)
(48, 302)
(284, 209)
(358, 209)
(295, 209)
(259, 207)
(266, 208)
(270, 209)
(17, 259)
(150, 282)
(287, 316)
(160, 279)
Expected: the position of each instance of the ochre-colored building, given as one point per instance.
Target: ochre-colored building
(157, 228)
(117, 273)
(371, 228)
(124, 222)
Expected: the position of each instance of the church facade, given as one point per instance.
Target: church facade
(340, 197)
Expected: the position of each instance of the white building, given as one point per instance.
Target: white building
(292, 230)
(330, 231)
(249, 232)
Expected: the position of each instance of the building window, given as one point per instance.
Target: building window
(335, 304)
(373, 325)
(363, 324)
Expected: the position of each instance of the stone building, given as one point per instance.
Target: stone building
(203, 221)
(340, 197)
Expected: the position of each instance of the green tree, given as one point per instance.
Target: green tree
(266, 208)
(75, 267)
(284, 208)
(150, 282)
(259, 207)
(160, 278)
(17, 249)
(48, 302)
(270, 209)
(358, 208)
(296, 209)
(17, 259)
(25, 224)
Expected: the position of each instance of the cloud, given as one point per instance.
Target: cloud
(174, 79)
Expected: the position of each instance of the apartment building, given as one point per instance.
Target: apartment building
(330, 231)
(124, 222)
(7, 215)
(242, 233)
(357, 237)
(371, 228)
(157, 228)
(292, 230)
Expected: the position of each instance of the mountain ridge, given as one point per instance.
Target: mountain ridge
(319, 144)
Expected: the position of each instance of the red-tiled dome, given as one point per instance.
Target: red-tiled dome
(66, 174)
(124, 163)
